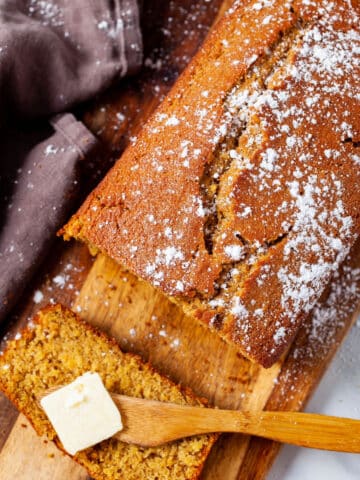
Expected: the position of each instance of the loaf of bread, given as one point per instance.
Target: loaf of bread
(58, 348)
(241, 195)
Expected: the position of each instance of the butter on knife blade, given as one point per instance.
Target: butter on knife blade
(82, 413)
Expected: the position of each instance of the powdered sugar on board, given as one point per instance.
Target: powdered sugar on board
(322, 330)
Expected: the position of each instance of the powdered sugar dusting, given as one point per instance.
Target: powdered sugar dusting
(252, 190)
(329, 317)
(314, 225)
(279, 335)
(311, 238)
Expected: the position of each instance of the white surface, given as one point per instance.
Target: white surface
(82, 413)
(338, 394)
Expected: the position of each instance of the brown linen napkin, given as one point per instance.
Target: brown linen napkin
(53, 53)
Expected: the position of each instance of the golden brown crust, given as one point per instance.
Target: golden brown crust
(241, 196)
(39, 359)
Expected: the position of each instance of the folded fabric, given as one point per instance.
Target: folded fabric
(53, 54)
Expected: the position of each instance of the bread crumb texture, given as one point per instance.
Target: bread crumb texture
(241, 196)
(57, 349)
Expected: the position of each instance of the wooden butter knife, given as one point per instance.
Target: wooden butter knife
(150, 423)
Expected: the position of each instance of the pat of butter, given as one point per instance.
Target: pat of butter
(82, 413)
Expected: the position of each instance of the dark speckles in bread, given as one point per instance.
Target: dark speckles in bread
(241, 196)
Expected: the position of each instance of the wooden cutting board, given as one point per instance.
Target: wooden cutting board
(143, 321)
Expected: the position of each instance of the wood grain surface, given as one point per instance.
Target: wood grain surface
(142, 320)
